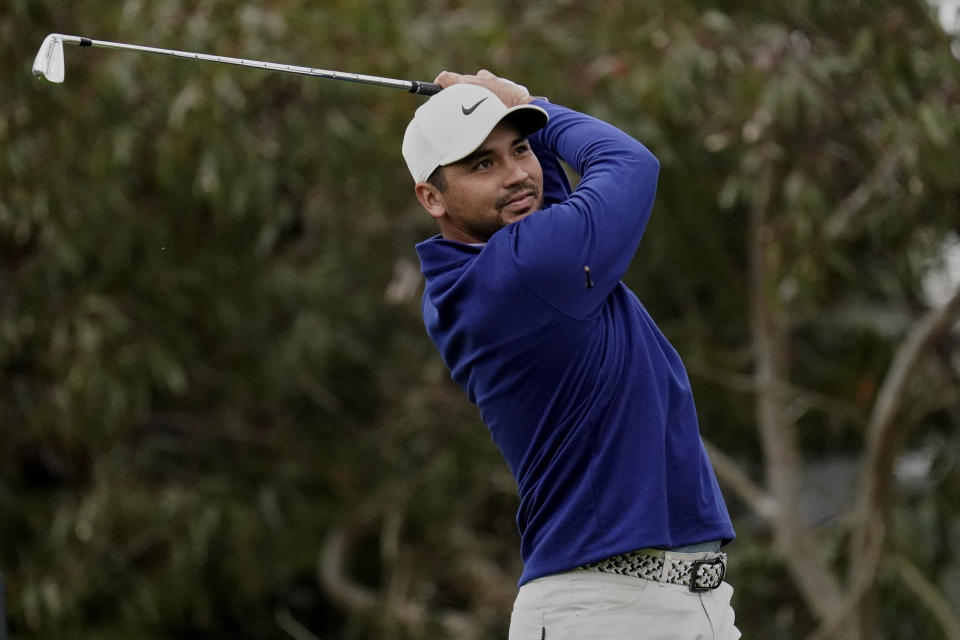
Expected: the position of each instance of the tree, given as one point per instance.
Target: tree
(220, 415)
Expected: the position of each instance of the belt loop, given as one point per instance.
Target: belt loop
(664, 569)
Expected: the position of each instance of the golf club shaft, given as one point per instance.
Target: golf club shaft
(412, 86)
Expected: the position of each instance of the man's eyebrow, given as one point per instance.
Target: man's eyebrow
(483, 152)
(476, 155)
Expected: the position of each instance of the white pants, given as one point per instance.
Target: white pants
(588, 605)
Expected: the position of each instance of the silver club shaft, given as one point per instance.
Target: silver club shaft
(49, 63)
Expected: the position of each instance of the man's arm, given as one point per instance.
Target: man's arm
(599, 227)
(575, 251)
(556, 186)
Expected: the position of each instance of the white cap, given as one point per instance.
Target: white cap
(454, 123)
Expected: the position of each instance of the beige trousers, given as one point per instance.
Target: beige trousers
(588, 605)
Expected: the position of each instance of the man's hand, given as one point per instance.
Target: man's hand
(509, 92)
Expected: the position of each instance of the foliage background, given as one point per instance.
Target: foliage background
(220, 415)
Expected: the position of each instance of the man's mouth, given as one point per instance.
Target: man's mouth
(520, 203)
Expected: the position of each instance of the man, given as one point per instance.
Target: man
(621, 518)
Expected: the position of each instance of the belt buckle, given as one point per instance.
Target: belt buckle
(696, 564)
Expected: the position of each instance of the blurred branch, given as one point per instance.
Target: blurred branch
(781, 449)
(801, 399)
(929, 596)
(348, 595)
(397, 580)
(770, 346)
(357, 599)
(842, 613)
(878, 180)
(734, 477)
(882, 434)
(291, 626)
(405, 283)
(881, 427)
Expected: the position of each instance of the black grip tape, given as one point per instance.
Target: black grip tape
(86, 42)
(425, 88)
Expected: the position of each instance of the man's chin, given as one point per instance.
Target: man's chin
(503, 219)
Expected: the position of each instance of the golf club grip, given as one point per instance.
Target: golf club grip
(425, 88)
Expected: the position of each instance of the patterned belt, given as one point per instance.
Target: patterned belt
(701, 574)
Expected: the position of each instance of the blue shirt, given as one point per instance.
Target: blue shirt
(586, 399)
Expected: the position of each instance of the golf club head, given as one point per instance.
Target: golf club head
(49, 61)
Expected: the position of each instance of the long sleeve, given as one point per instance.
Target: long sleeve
(599, 226)
(556, 187)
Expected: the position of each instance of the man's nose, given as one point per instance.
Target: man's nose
(515, 173)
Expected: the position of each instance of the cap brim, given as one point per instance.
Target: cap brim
(527, 118)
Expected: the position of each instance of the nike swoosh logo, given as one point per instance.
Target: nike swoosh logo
(467, 111)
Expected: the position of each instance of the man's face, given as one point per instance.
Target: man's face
(499, 183)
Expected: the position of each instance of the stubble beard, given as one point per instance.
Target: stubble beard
(486, 231)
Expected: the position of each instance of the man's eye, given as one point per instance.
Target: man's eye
(483, 164)
(522, 149)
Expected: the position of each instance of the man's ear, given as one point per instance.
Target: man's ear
(431, 199)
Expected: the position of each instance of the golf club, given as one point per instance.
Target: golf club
(49, 64)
